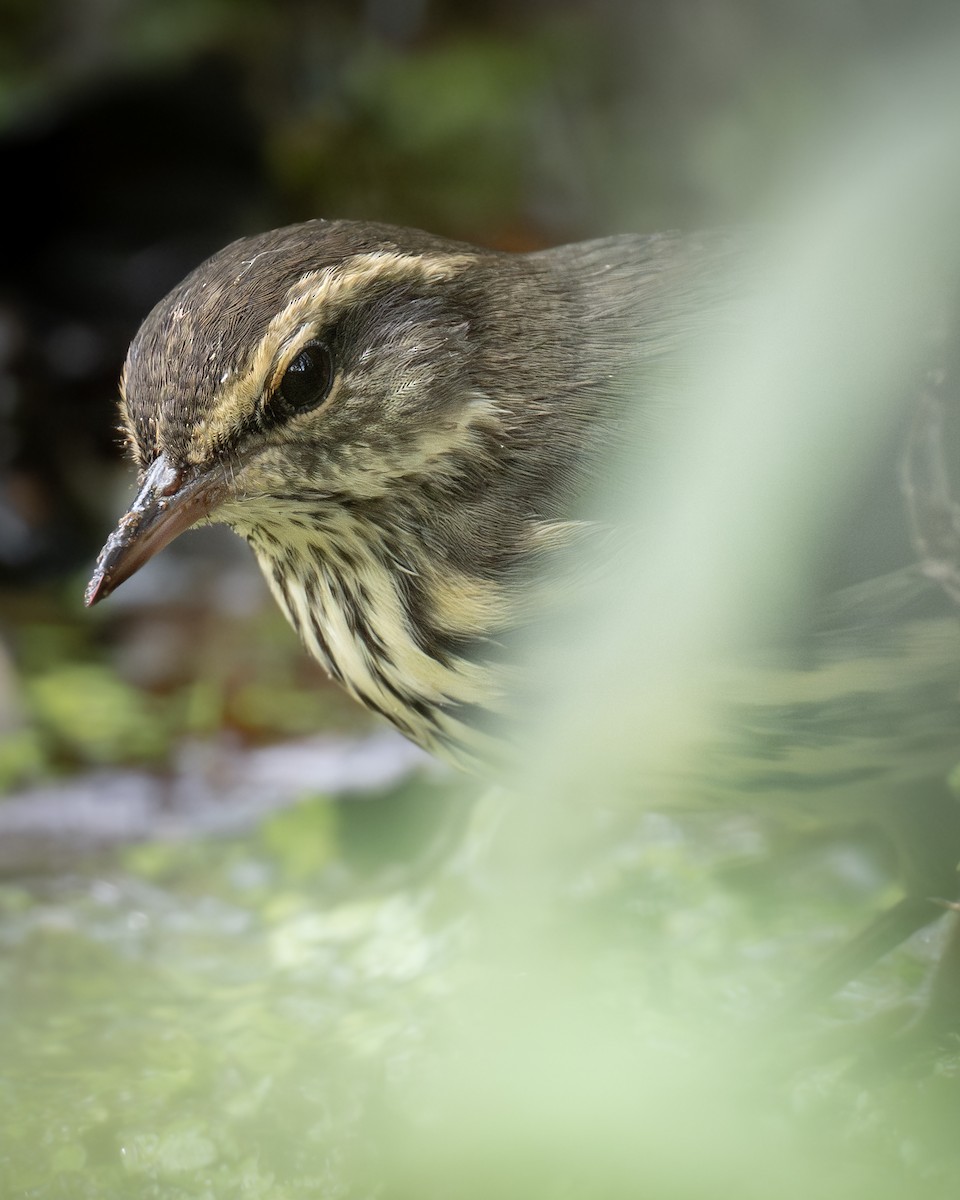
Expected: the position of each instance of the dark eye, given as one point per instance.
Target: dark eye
(308, 379)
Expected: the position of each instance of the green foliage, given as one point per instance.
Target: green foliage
(282, 706)
(76, 707)
(443, 131)
(22, 757)
(84, 711)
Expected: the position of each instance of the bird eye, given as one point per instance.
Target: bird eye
(308, 379)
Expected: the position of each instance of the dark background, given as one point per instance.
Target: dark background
(137, 137)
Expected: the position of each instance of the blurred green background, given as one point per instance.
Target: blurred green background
(228, 947)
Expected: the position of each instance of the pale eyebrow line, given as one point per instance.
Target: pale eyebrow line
(328, 290)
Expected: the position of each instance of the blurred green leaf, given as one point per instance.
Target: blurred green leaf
(89, 711)
(22, 757)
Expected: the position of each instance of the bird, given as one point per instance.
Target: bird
(409, 430)
(396, 423)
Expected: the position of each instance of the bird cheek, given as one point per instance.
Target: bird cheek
(261, 476)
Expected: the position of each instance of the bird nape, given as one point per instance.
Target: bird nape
(409, 432)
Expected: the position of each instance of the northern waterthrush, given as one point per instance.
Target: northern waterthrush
(404, 428)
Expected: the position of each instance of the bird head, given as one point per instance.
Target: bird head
(323, 360)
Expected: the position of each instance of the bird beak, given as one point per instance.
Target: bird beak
(169, 501)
